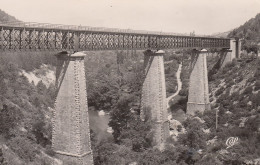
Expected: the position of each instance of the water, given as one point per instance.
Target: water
(99, 124)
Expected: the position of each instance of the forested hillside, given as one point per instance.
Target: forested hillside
(25, 108)
(114, 82)
(25, 117)
(250, 32)
(4, 17)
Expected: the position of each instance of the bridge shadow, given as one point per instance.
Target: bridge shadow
(61, 68)
(194, 58)
(148, 59)
(222, 56)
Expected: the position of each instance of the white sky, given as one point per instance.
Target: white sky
(179, 16)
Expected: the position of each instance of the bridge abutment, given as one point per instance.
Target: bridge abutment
(198, 99)
(154, 102)
(70, 133)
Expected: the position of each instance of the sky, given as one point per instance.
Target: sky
(177, 16)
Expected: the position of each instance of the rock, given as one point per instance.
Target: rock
(223, 152)
(199, 151)
(174, 124)
(169, 117)
(207, 131)
(252, 162)
(101, 113)
(23, 129)
(212, 141)
(253, 111)
(228, 112)
(110, 130)
(199, 119)
(175, 130)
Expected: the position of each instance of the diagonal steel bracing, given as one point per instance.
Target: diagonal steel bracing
(35, 36)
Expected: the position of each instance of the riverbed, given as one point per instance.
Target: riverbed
(99, 123)
(178, 76)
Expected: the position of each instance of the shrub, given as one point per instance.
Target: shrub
(257, 85)
(251, 79)
(239, 79)
(257, 73)
(23, 147)
(248, 90)
(219, 91)
(9, 117)
(183, 92)
(49, 151)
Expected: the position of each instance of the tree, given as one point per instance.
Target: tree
(41, 88)
(193, 140)
(139, 133)
(9, 117)
(119, 117)
(2, 160)
(3, 86)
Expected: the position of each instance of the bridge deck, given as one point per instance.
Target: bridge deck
(15, 36)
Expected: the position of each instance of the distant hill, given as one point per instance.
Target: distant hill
(250, 32)
(4, 17)
(221, 34)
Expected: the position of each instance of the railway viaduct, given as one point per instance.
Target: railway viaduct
(70, 132)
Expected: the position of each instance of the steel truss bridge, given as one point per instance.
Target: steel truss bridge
(15, 36)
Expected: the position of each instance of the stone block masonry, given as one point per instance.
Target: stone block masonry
(70, 133)
(154, 96)
(235, 46)
(198, 99)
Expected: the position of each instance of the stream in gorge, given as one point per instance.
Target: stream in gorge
(99, 120)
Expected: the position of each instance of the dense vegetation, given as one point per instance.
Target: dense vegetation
(25, 111)
(114, 81)
(250, 32)
(4, 17)
(235, 95)
(112, 75)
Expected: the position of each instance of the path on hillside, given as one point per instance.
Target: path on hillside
(178, 76)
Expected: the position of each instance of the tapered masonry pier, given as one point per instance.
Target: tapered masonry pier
(232, 53)
(198, 99)
(70, 133)
(153, 101)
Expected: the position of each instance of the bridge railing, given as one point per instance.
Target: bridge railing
(88, 28)
(41, 36)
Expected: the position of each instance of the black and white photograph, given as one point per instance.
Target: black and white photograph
(129, 82)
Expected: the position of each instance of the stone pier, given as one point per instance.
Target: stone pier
(198, 99)
(235, 46)
(233, 53)
(154, 102)
(70, 133)
(239, 47)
